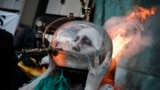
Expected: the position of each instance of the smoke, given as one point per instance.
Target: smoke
(138, 61)
(131, 28)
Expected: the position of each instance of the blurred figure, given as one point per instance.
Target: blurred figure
(24, 39)
(8, 62)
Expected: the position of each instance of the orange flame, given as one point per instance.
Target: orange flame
(120, 41)
(142, 13)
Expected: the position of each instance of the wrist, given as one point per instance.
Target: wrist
(88, 87)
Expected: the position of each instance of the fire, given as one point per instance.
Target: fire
(124, 32)
(119, 41)
(142, 13)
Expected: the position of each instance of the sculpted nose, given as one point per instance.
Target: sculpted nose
(76, 48)
(76, 45)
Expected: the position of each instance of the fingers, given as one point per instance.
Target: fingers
(104, 64)
(89, 62)
(107, 59)
(96, 59)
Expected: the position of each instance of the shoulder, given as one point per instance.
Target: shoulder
(6, 39)
(5, 34)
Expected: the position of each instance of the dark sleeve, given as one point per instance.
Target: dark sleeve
(8, 63)
(12, 65)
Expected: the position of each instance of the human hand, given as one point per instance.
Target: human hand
(97, 72)
(106, 87)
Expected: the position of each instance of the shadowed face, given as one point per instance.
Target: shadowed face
(87, 41)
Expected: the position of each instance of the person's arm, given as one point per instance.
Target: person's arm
(11, 63)
(97, 72)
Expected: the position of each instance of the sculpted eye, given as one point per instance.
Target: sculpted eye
(86, 41)
(77, 38)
